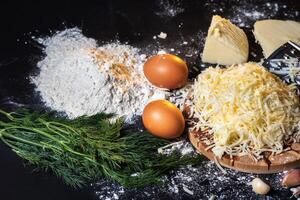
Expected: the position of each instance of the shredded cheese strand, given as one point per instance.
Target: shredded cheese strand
(248, 109)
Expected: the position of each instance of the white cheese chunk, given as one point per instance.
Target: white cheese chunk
(225, 44)
(271, 34)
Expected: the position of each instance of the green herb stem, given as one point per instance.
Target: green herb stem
(84, 149)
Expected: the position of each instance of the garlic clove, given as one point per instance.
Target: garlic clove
(295, 191)
(260, 187)
(292, 178)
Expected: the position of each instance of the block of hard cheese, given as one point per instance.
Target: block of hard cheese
(271, 34)
(225, 44)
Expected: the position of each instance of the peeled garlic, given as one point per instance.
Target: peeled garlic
(295, 191)
(260, 187)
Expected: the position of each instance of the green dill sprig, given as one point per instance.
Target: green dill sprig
(86, 148)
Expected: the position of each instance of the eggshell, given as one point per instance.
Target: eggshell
(166, 71)
(163, 119)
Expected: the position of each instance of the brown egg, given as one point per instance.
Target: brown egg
(166, 71)
(163, 119)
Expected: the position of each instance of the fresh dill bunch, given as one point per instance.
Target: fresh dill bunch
(86, 148)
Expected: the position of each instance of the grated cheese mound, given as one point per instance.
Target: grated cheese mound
(247, 109)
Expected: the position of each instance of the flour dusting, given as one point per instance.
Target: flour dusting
(244, 14)
(169, 8)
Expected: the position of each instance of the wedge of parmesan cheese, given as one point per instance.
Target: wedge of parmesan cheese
(225, 44)
(271, 34)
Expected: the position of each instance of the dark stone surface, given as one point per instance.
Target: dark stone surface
(135, 22)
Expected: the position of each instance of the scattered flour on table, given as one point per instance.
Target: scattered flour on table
(77, 77)
(193, 182)
(180, 97)
(245, 13)
(169, 8)
(183, 147)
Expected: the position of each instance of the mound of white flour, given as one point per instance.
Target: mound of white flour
(77, 81)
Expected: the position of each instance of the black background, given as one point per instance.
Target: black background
(104, 20)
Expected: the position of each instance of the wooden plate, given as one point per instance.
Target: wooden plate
(270, 164)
